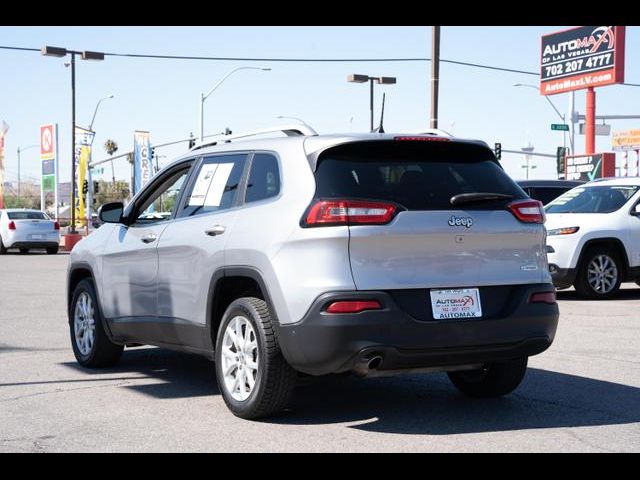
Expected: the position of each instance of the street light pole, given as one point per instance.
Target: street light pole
(85, 55)
(22, 150)
(562, 117)
(203, 97)
(356, 78)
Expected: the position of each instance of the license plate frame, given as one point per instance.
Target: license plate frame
(456, 304)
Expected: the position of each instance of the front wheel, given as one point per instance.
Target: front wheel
(492, 380)
(24, 251)
(254, 378)
(599, 275)
(91, 346)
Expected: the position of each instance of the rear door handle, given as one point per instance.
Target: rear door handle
(149, 238)
(215, 230)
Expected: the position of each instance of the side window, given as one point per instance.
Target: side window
(161, 204)
(264, 179)
(216, 185)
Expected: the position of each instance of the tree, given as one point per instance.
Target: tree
(111, 147)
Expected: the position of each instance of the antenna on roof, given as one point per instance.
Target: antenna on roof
(380, 128)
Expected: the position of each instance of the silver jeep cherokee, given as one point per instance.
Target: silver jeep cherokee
(365, 253)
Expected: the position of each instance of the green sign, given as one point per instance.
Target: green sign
(48, 183)
(563, 127)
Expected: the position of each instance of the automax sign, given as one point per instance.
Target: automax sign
(580, 58)
(590, 167)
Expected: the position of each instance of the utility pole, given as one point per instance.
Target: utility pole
(435, 74)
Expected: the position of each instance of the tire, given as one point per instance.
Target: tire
(24, 251)
(52, 251)
(3, 250)
(493, 380)
(100, 352)
(273, 379)
(591, 259)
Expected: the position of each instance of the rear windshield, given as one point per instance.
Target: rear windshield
(416, 175)
(27, 216)
(597, 199)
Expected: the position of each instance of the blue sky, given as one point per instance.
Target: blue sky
(162, 96)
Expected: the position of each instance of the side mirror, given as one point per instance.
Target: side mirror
(636, 211)
(111, 212)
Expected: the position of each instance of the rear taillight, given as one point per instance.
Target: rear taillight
(56, 226)
(12, 225)
(353, 306)
(324, 213)
(543, 297)
(528, 211)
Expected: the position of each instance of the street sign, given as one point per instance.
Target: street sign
(601, 130)
(563, 127)
(580, 58)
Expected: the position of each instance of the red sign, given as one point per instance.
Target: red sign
(581, 57)
(47, 147)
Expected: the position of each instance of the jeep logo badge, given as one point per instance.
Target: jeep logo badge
(461, 221)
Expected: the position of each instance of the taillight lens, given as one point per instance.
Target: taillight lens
(12, 225)
(543, 297)
(528, 211)
(353, 306)
(56, 226)
(349, 212)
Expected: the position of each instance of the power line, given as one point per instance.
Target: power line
(309, 60)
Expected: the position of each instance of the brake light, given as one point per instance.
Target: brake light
(12, 225)
(56, 226)
(421, 138)
(349, 212)
(353, 306)
(543, 297)
(528, 211)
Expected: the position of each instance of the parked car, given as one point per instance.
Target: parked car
(594, 237)
(547, 190)
(28, 229)
(364, 253)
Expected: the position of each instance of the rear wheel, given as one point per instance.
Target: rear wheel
(3, 250)
(254, 378)
(492, 380)
(91, 346)
(52, 250)
(600, 274)
(24, 250)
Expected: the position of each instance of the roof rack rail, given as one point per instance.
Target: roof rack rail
(290, 130)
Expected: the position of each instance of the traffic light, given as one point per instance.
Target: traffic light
(192, 141)
(96, 187)
(497, 149)
(152, 153)
(561, 155)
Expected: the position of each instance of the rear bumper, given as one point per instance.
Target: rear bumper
(34, 244)
(323, 343)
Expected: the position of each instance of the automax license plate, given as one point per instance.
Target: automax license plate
(452, 304)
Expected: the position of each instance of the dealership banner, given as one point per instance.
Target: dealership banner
(590, 167)
(82, 150)
(581, 57)
(626, 140)
(3, 134)
(142, 168)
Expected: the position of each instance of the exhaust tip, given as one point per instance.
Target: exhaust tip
(374, 363)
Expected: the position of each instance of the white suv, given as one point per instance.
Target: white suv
(593, 238)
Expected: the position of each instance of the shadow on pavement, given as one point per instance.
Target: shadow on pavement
(405, 404)
(624, 294)
(182, 375)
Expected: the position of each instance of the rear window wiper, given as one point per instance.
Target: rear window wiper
(463, 198)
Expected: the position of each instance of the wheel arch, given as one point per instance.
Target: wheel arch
(228, 284)
(611, 242)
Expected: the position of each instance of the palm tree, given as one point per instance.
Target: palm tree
(111, 147)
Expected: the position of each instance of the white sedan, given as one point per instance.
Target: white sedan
(28, 229)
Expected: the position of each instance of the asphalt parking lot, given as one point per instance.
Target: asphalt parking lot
(581, 395)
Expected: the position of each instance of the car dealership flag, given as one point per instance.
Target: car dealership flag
(3, 134)
(84, 139)
(142, 168)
